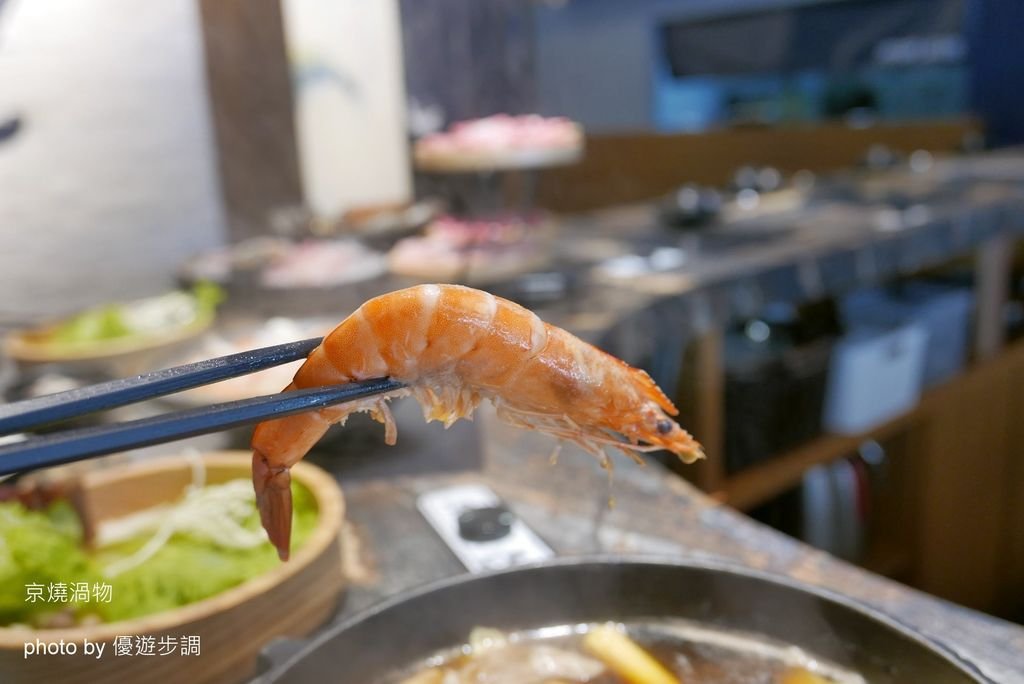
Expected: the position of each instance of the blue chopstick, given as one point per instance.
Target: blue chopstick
(32, 413)
(75, 445)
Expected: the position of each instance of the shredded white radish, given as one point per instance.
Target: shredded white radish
(214, 512)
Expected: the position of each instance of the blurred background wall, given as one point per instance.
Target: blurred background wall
(470, 58)
(116, 138)
(115, 145)
(995, 33)
(693, 65)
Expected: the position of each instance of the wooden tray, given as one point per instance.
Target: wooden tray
(507, 160)
(30, 346)
(292, 599)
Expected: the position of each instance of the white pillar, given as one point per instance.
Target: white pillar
(346, 58)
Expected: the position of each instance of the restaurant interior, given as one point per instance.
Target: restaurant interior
(620, 341)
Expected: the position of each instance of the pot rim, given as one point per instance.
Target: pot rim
(310, 646)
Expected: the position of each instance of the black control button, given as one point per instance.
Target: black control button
(485, 524)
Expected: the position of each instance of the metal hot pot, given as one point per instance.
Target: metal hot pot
(412, 626)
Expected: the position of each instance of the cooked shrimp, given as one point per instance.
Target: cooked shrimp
(453, 346)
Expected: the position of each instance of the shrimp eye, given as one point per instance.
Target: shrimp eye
(664, 427)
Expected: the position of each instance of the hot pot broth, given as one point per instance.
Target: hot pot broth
(684, 652)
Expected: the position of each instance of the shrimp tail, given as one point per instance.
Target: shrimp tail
(274, 500)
